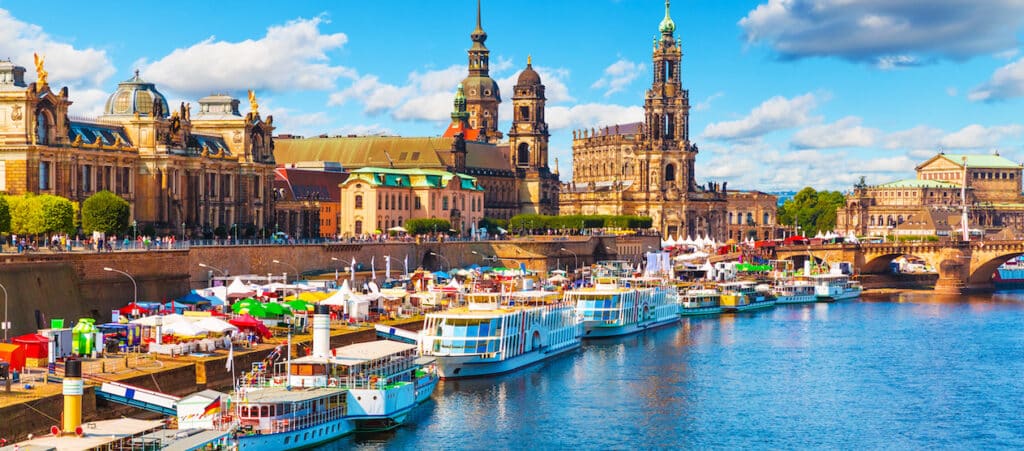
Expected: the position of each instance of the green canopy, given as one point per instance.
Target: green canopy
(300, 305)
(274, 308)
(244, 303)
(255, 309)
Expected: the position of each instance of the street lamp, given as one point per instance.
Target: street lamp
(183, 231)
(221, 271)
(290, 266)
(443, 258)
(234, 232)
(134, 285)
(575, 258)
(335, 259)
(135, 230)
(7, 324)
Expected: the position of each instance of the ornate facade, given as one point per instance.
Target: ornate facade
(648, 168)
(752, 215)
(993, 198)
(514, 174)
(181, 174)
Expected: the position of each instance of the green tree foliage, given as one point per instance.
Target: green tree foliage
(492, 224)
(37, 215)
(105, 212)
(814, 211)
(5, 215)
(424, 226)
(58, 214)
(576, 222)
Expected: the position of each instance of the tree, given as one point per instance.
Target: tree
(5, 215)
(105, 212)
(36, 215)
(427, 225)
(812, 210)
(58, 214)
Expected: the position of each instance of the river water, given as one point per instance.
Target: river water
(895, 371)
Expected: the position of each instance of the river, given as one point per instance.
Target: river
(910, 370)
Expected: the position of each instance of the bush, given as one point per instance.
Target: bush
(425, 226)
(535, 221)
(492, 224)
(105, 212)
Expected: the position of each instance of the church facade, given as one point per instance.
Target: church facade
(181, 174)
(647, 168)
(514, 173)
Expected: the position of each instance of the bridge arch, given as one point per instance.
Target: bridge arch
(982, 272)
(880, 263)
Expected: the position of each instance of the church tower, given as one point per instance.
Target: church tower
(482, 94)
(528, 138)
(667, 113)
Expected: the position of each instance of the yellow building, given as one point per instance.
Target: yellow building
(752, 215)
(647, 168)
(375, 199)
(181, 174)
(993, 198)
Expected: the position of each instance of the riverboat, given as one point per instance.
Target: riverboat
(1009, 275)
(744, 296)
(316, 399)
(797, 290)
(835, 287)
(609, 309)
(499, 332)
(700, 301)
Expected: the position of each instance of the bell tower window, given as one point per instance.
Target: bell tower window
(670, 173)
(523, 154)
(524, 113)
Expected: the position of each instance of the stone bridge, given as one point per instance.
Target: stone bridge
(961, 265)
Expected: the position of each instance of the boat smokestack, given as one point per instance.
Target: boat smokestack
(73, 388)
(321, 332)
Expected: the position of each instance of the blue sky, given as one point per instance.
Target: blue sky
(785, 93)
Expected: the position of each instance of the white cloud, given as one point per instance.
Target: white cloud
(365, 129)
(372, 93)
(293, 56)
(977, 136)
(589, 115)
(952, 91)
(887, 33)
(83, 70)
(846, 132)
(1007, 82)
(776, 113)
(618, 75)
(921, 138)
(706, 103)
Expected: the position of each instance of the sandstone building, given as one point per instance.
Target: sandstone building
(647, 168)
(182, 174)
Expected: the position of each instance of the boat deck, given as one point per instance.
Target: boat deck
(97, 434)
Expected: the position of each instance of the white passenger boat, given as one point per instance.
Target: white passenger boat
(796, 290)
(319, 398)
(499, 332)
(743, 296)
(835, 287)
(610, 309)
(700, 301)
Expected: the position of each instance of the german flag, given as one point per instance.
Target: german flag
(213, 408)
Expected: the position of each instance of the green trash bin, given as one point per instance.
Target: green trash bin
(56, 323)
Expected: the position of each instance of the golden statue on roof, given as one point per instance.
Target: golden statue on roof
(252, 102)
(40, 71)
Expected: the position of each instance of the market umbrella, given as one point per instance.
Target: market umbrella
(300, 305)
(192, 298)
(244, 303)
(397, 229)
(258, 310)
(248, 322)
(133, 309)
(274, 308)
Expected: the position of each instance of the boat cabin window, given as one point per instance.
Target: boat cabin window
(308, 370)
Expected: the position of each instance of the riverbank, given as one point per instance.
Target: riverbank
(33, 410)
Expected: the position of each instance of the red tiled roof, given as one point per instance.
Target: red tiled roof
(468, 133)
(305, 184)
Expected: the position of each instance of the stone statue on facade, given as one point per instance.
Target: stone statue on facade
(252, 102)
(41, 72)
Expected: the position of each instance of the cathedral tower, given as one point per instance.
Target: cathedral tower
(528, 138)
(482, 94)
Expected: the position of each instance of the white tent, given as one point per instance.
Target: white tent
(237, 287)
(215, 292)
(183, 329)
(150, 321)
(339, 298)
(669, 242)
(217, 325)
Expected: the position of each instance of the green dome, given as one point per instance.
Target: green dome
(667, 26)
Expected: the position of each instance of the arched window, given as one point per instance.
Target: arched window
(358, 229)
(359, 201)
(730, 217)
(764, 219)
(670, 173)
(750, 218)
(42, 128)
(523, 154)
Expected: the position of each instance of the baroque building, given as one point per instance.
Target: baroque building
(181, 174)
(931, 203)
(752, 215)
(647, 168)
(514, 174)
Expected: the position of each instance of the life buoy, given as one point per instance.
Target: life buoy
(278, 380)
(332, 382)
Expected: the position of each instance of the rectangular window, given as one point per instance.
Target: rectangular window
(44, 175)
(418, 205)
(444, 203)
(86, 179)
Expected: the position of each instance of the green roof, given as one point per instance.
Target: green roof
(918, 183)
(982, 161)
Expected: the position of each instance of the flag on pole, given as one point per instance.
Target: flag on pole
(373, 268)
(231, 357)
(352, 271)
(387, 266)
(406, 266)
(213, 408)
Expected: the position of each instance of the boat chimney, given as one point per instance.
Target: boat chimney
(73, 388)
(807, 267)
(321, 332)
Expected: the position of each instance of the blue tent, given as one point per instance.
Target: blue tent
(442, 275)
(192, 298)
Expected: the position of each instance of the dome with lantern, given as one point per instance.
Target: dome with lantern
(136, 95)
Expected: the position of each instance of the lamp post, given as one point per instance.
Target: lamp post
(443, 258)
(183, 231)
(290, 266)
(576, 258)
(336, 269)
(7, 324)
(234, 232)
(134, 285)
(209, 276)
(135, 230)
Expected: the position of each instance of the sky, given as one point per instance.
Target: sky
(784, 93)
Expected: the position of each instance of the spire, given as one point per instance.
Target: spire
(529, 60)
(478, 35)
(459, 113)
(667, 26)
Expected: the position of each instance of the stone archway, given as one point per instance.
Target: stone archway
(879, 264)
(981, 274)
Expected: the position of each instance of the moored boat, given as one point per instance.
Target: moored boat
(499, 332)
(743, 296)
(700, 301)
(797, 290)
(610, 309)
(835, 287)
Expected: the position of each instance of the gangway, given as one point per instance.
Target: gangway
(139, 397)
(396, 334)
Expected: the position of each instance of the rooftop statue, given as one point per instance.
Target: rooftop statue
(40, 71)
(252, 102)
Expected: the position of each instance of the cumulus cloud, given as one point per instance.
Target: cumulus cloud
(589, 115)
(365, 129)
(846, 132)
(776, 113)
(293, 56)
(886, 33)
(706, 103)
(977, 136)
(1007, 82)
(84, 70)
(921, 140)
(618, 75)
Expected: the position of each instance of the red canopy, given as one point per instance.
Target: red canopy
(131, 309)
(36, 346)
(795, 238)
(248, 322)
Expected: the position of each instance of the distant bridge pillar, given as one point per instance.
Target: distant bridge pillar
(954, 268)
